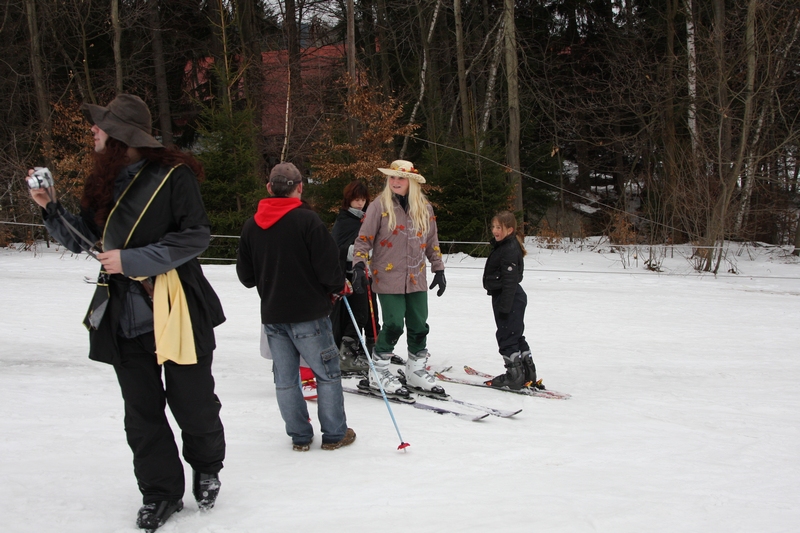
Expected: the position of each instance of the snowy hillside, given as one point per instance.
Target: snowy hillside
(684, 416)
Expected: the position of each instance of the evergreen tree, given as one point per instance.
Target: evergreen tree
(466, 192)
(231, 190)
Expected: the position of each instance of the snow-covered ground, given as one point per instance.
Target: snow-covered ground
(684, 416)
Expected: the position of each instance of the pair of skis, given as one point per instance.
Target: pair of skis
(485, 411)
(537, 390)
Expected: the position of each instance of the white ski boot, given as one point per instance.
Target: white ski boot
(391, 385)
(418, 378)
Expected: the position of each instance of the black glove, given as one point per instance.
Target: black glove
(359, 278)
(438, 280)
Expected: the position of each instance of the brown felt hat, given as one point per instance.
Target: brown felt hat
(125, 119)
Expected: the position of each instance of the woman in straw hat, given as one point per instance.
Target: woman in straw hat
(400, 231)
(143, 202)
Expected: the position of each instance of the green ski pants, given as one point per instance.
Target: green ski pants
(397, 309)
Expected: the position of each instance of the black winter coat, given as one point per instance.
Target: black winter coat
(503, 271)
(173, 231)
(293, 263)
(345, 230)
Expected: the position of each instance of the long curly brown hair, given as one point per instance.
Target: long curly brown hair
(98, 191)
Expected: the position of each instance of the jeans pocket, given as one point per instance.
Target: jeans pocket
(305, 330)
(330, 359)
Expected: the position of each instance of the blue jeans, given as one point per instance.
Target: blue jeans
(314, 341)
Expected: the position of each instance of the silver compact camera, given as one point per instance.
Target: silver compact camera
(40, 179)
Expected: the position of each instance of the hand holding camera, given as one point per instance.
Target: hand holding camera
(40, 182)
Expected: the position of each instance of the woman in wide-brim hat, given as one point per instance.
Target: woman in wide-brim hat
(400, 231)
(126, 119)
(403, 169)
(143, 201)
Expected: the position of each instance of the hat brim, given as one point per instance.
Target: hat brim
(419, 178)
(118, 129)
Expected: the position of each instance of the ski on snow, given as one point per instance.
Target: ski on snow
(526, 391)
(538, 388)
(418, 405)
(502, 413)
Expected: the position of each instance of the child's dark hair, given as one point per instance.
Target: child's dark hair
(508, 220)
(354, 191)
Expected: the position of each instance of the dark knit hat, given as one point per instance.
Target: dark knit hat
(126, 119)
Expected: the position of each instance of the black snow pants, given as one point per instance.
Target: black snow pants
(190, 393)
(510, 330)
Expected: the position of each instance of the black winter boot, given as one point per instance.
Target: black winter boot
(529, 367)
(514, 378)
(351, 357)
(205, 488)
(153, 515)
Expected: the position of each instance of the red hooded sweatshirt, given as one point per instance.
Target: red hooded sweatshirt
(271, 210)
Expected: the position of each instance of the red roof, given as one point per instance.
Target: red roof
(319, 68)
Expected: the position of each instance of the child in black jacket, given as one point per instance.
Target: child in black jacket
(501, 279)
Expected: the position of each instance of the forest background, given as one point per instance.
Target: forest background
(649, 121)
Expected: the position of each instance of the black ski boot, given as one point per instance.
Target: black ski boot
(529, 367)
(352, 359)
(514, 378)
(205, 488)
(153, 515)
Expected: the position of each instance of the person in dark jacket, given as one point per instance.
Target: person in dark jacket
(352, 358)
(501, 279)
(153, 310)
(287, 253)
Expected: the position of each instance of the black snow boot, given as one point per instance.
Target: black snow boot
(514, 378)
(529, 367)
(351, 357)
(153, 515)
(205, 488)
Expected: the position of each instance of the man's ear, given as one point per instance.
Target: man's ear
(269, 189)
(299, 188)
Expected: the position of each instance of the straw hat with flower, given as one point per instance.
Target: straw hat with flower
(403, 169)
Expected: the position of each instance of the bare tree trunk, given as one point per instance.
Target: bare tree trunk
(513, 104)
(162, 91)
(796, 250)
(42, 98)
(463, 96)
(351, 64)
(422, 75)
(116, 45)
(253, 65)
(294, 91)
(671, 167)
(730, 170)
(488, 103)
(724, 136)
(383, 41)
(691, 54)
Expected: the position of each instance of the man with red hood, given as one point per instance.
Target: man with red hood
(290, 257)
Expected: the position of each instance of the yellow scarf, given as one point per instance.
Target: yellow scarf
(171, 321)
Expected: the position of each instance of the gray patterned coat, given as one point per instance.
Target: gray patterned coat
(398, 256)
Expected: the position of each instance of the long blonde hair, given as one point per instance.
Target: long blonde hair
(417, 206)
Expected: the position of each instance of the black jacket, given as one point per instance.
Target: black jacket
(172, 233)
(345, 230)
(503, 271)
(293, 262)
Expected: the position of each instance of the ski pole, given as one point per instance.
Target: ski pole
(403, 444)
(371, 309)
